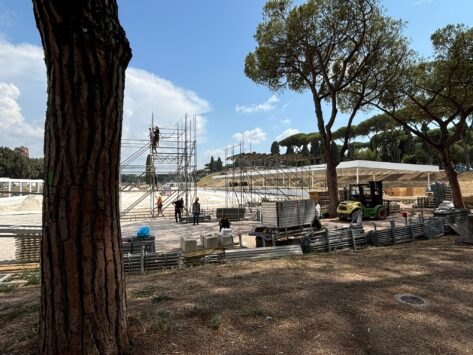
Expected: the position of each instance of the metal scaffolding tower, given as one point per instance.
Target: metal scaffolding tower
(168, 171)
(253, 177)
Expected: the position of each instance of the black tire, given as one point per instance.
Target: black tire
(381, 213)
(259, 242)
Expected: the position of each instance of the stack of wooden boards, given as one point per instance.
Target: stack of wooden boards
(27, 241)
(405, 191)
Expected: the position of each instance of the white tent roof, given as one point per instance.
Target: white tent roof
(367, 164)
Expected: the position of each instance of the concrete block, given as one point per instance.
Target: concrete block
(226, 240)
(210, 241)
(188, 245)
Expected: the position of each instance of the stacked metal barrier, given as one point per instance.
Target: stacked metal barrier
(232, 255)
(331, 240)
(433, 228)
(139, 263)
(133, 245)
(396, 234)
(454, 220)
(288, 214)
(233, 214)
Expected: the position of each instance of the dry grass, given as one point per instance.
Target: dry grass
(342, 303)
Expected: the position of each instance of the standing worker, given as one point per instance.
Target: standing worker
(178, 206)
(159, 203)
(316, 221)
(196, 210)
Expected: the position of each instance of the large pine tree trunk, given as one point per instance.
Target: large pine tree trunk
(83, 296)
(452, 178)
(332, 184)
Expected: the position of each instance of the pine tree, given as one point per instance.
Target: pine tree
(275, 148)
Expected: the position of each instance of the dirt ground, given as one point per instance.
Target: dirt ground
(339, 303)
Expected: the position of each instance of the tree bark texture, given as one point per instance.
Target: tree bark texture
(452, 179)
(83, 298)
(332, 183)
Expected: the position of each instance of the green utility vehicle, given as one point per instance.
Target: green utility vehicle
(365, 197)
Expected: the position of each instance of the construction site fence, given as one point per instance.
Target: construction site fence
(140, 255)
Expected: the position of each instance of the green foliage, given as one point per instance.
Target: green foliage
(275, 148)
(215, 321)
(214, 165)
(162, 321)
(203, 308)
(17, 311)
(142, 293)
(31, 277)
(15, 165)
(161, 297)
(6, 288)
(253, 312)
(305, 150)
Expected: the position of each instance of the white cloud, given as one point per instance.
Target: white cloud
(22, 71)
(146, 92)
(286, 133)
(15, 130)
(268, 105)
(286, 121)
(255, 136)
(422, 2)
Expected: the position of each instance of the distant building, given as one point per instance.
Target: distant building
(23, 151)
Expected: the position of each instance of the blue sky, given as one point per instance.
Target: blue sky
(188, 56)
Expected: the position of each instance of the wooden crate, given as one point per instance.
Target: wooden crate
(405, 191)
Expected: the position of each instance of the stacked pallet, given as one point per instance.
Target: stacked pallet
(442, 192)
(394, 207)
(426, 202)
(27, 241)
(331, 240)
(396, 235)
(133, 245)
(233, 214)
(28, 248)
(137, 263)
(288, 214)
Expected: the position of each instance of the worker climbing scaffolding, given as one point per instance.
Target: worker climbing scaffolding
(154, 138)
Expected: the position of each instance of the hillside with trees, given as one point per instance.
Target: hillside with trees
(13, 164)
